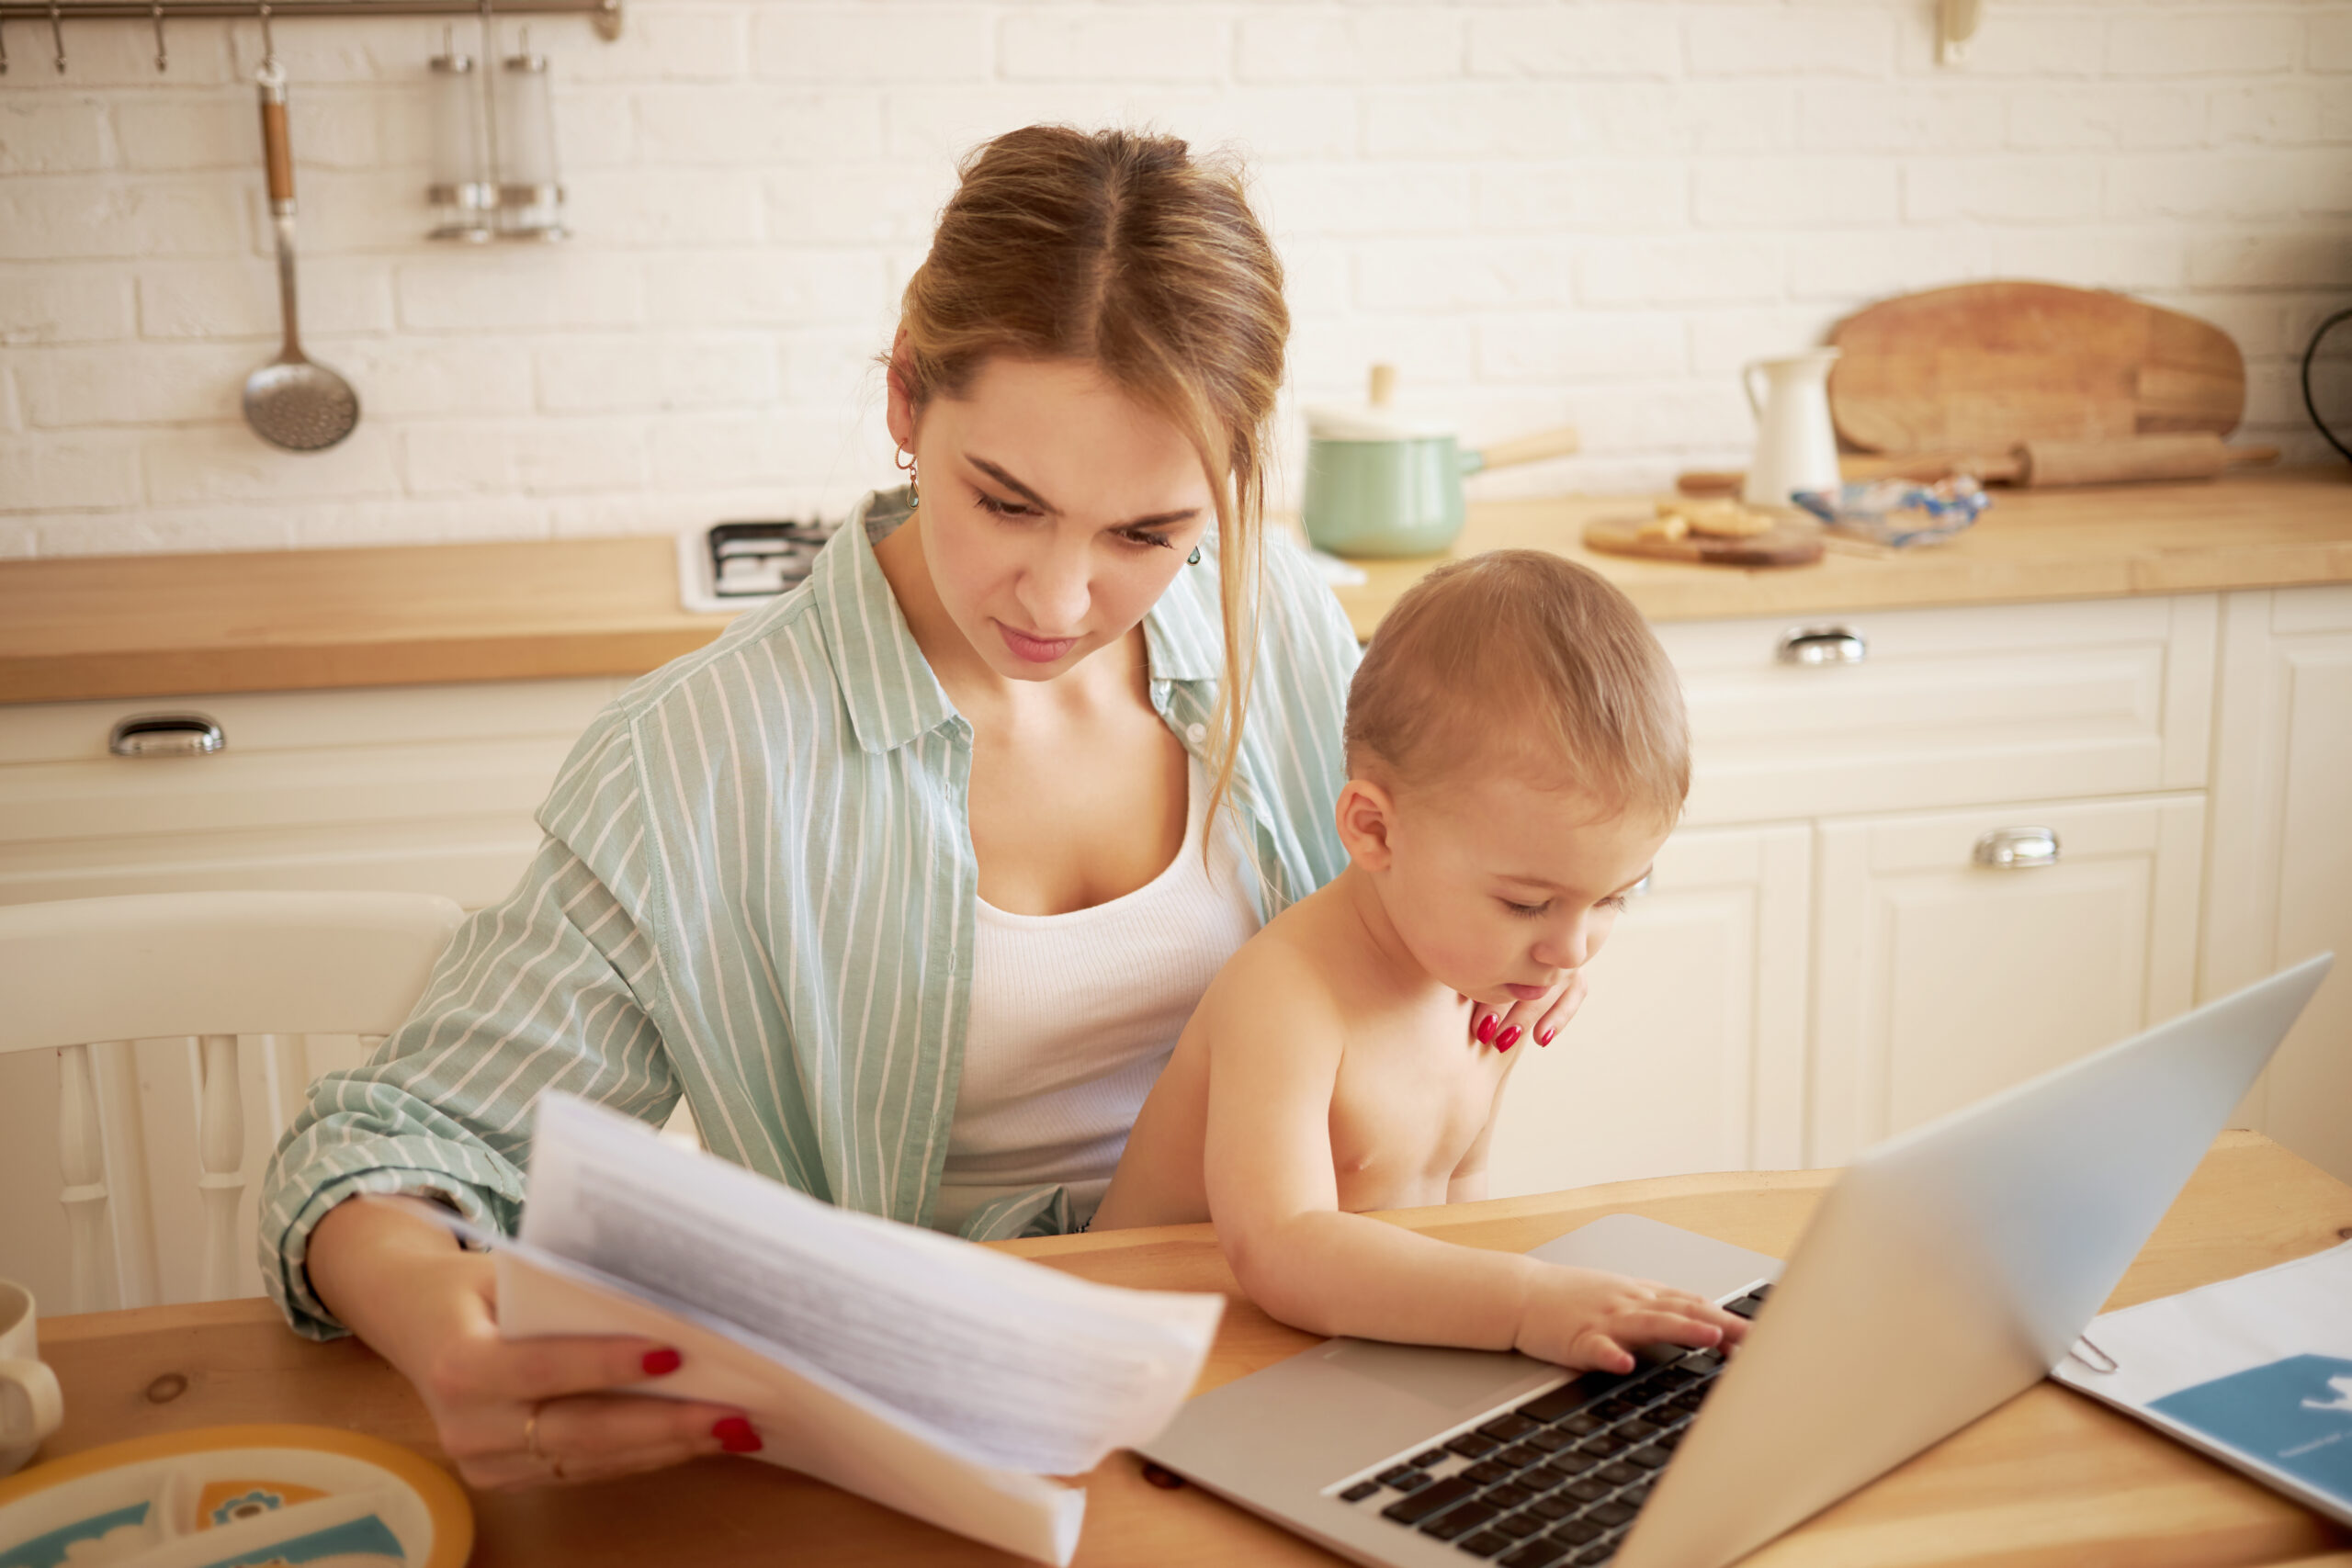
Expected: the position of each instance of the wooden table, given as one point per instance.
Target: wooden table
(2050, 1479)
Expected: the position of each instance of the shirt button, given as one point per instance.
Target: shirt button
(1196, 733)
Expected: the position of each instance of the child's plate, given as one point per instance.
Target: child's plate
(237, 1497)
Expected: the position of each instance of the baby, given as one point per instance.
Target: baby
(1516, 755)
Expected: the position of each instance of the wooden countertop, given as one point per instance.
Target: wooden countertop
(388, 615)
(155, 626)
(2100, 542)
(2050, 1478)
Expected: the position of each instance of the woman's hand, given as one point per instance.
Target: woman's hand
(1584, 1319)
(1542, 1018)
(510, 1413)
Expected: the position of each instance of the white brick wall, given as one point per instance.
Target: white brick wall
(1543, 210)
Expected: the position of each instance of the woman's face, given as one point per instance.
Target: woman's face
(1055, 510)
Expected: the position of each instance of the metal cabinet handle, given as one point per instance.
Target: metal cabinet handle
(166, 735)
(1823, 645)
(2018, 849)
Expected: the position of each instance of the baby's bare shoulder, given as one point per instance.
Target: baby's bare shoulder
(1276, 980)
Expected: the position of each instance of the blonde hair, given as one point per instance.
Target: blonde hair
(1123, 250)
(1532, 661)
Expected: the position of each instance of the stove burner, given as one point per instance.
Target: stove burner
(761, 560)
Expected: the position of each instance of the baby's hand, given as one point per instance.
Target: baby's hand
(1584, 1319)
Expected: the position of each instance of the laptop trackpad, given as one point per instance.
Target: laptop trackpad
(1448, 1379)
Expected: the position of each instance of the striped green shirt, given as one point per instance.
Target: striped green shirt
(757, 890)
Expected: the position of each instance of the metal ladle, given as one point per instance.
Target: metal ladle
(291, 401)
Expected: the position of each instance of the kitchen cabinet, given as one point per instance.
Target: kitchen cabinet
(1939, 979)
(1927, 980)
(2279, 887)
(400, 788)
(1946, 706)
(1689, 1054)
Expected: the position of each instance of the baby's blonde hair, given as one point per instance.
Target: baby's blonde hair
(1529, 661)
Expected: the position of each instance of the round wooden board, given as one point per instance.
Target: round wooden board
(1791, 542)
(1982, 366)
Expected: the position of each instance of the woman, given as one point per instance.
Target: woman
(908, 882)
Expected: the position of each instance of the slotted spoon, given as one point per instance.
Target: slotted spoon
(292, 401)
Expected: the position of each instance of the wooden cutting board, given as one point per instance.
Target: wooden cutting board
(1983, 366)
(1791, 542)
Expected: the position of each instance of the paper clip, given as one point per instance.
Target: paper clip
(2085, 1341)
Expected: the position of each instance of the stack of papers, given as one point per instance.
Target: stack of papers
(928, 1373)
(2256, 1371)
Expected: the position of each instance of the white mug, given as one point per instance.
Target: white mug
(31, 1407)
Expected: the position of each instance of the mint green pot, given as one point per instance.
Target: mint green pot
(1385, 499)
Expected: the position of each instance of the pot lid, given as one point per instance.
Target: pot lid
(1357, 423)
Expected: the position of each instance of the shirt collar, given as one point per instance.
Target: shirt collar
(887, 685)
(1185, 633)
(885, 681)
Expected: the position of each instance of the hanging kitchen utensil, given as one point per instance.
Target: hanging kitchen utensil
(464, 191)
(1381, 484)
(530, 194)
(292, 401)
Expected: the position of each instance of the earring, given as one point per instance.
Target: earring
(904, 461)
(1194, 558)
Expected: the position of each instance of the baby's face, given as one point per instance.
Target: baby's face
(1500, 887)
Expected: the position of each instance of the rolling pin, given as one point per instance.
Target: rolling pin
(2132, 460)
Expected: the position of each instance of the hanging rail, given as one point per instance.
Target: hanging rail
(606, 14)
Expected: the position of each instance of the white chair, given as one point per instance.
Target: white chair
(86, 978)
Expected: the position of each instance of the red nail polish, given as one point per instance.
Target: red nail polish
(1507, 1038)
(658, 1362)
(1487, 1030)
(736, 1437)
(1546, 1036)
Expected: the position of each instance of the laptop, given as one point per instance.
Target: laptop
(1946, 1270)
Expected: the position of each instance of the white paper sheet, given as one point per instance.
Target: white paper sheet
(931, 1374)
(2293, 1318)
(807, 1421)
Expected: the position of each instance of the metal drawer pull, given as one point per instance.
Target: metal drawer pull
(1823, 645)
(2018, 849)
(166, 735)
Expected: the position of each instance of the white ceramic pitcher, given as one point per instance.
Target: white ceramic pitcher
(1796, 447)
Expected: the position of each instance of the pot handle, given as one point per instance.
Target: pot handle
(1560, 442)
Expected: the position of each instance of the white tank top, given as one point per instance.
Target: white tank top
(1073, 1017)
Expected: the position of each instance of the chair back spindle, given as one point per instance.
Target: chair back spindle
(81, 1157)
(221, 1140)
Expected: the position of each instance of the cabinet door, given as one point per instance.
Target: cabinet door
(2282, 874)
(1940, 980)
(1688, 1054)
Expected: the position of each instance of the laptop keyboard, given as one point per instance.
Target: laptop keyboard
(1558, 1479)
